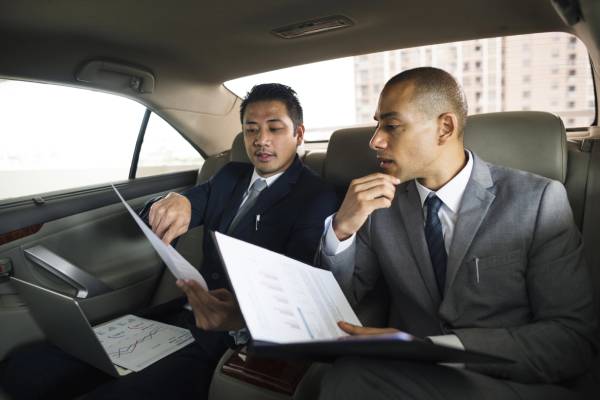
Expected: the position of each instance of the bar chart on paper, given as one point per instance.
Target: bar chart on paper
(134, 343)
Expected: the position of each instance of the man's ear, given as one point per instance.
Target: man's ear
(447, 127)
(299, 133)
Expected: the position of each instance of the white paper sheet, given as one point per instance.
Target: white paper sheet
(284, 300)
(178, 265)
(134, 343)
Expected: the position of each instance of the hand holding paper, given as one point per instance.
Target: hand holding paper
(170, 217)
(215, 310)
(178, 265)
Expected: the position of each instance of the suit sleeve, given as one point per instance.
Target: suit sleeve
(356, 269)
(145, 211)
(198, 197)
(306, 232)
(560, 341)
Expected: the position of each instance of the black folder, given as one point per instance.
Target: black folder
(394, 346)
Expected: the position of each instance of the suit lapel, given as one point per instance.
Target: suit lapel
(475, 205)
(409, 205)
(235, 200)
(271, 195)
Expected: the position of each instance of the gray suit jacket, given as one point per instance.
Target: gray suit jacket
(531, 299)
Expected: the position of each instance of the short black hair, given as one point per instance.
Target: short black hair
(436, 91)
(275, 91)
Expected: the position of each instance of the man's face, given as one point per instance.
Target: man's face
(406, 139)
(269, 136)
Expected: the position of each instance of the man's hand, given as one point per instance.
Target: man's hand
(215, 310)
(170, 217)
(363, 330)
(364, 196)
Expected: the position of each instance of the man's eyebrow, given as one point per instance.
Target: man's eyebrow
(391, 114)
(269, 120)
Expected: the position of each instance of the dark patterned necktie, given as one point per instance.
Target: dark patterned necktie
(435, 241)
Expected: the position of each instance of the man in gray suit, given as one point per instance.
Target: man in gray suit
(473, 255)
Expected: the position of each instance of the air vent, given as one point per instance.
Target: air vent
(313, 26)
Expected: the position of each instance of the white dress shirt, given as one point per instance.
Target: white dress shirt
(270, 180)
(451, 195)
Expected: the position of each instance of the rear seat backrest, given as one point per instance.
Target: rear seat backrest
(528, 140)
(315, 160)
(238, 149)
(213, 164)
(349, 157)
(531, 141)
(535, 142)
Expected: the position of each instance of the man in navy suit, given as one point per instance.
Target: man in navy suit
(287, 216)
(275, 202)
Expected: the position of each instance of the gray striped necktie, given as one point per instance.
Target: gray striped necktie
(258, 186)
(435, 241)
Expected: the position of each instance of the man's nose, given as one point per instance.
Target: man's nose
(378, 140)
(262, 137)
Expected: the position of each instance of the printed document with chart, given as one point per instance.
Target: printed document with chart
(134, 343)
(283, 300)
(291, 310)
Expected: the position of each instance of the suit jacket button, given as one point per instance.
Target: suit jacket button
(215, 275)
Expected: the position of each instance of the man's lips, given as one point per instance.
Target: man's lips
(384, 162)
(264, 157)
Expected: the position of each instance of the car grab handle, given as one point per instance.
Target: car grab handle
(87, 285)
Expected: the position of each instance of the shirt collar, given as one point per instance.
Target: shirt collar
(452, 192)
(270, 180)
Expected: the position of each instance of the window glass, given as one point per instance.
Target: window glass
(546, 72)
(164, 150)
(55, 137)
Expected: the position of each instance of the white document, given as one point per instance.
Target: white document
(283, 300)
(178, 265)
(134, 343)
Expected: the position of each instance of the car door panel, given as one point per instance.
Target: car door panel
(94, 233)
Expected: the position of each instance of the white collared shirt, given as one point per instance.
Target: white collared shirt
(270, 180)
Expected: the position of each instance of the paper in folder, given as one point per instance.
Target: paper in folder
(291, 310)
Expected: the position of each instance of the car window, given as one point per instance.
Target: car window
(164, 150)
(546, 72)
(55, 137)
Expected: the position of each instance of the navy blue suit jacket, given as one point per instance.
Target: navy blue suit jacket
(292, 211)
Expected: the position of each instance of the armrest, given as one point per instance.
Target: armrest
(303, 384)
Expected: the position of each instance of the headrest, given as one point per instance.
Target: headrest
(238, 150)
(528, 140)
(349, 157)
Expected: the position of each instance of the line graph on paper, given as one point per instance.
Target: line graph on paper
(134, 343)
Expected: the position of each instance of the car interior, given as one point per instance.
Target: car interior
(174, 60)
